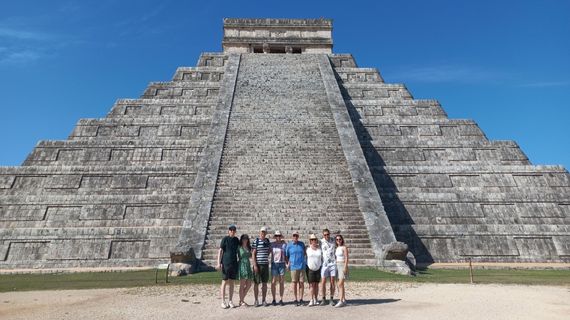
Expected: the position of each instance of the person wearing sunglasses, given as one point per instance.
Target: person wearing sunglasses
(314, 262)
(328, 269)
(278, 248)
(341, 254)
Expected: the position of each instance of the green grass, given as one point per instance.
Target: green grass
(94, 280)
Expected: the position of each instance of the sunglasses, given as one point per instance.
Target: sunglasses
(326, 234)
(338, 239)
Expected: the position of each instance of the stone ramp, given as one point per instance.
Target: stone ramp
(450, 193)
(283, 164)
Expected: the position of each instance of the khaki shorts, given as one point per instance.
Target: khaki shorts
(298, 275)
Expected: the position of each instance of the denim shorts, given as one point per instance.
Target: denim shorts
(277, 269)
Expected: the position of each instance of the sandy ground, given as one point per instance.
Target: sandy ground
(371, 300)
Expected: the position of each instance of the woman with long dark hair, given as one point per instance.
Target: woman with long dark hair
(341, 254)
(245, 273)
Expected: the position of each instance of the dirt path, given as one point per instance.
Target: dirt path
(371, 300)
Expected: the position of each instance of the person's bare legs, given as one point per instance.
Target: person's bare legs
(264, 291)
(294, 286)
(256, 291)
(341, 290)
(332, 286)
(322, 284)
(241, 290)
(273, 285)
(247, 287)
(231, 295)
(281, 287)
(223, 291)
(301, 287)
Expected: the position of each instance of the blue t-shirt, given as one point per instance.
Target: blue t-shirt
(296, 255)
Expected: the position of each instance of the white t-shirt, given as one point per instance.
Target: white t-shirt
(314, 258)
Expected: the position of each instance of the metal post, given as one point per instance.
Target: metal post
(470, 271)
(167, 269)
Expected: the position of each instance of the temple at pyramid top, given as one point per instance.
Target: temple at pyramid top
(277, 35)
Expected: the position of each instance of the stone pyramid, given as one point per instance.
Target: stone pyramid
(278, 131)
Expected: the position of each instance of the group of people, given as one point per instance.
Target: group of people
(249, 262)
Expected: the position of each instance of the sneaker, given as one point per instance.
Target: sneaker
(273, 303)
(296, 303)
(265, 304)
(332, 303)
(256, 303)
(301, 302)
(231, 304)
(340, 304)
(281, 303)
(323, 302)
(224, 305)
(312, 303)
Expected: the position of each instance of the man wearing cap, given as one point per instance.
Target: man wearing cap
(228, 264)
(295, 256)
(261, 251)
(278, 248)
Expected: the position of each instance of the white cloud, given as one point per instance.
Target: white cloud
(448, 73)
(24, 35)
(19, 57)
(545, 84)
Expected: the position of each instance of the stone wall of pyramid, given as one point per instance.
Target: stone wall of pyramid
(451, 193)
(114, 193)
(295, 142)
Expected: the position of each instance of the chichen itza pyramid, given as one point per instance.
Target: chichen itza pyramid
(278, 131)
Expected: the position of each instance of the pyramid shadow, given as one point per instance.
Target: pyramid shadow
(398, 215)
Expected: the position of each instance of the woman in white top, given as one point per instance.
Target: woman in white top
(341, 254)
(314, 262)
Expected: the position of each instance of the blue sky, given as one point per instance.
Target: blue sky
(505, 64)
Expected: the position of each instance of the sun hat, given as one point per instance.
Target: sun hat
(263, 229)
(277, 233)
(313, 237)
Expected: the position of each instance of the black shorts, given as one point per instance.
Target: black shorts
(313, 276)
(229, 271)
(262, 276)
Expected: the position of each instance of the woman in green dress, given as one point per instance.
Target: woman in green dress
(245, 273)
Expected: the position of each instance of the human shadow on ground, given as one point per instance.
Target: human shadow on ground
(358, 302)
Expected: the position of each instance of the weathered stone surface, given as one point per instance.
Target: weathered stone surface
(295, 138)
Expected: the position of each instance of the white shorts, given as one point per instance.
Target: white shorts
(328, 272)
(340, 271)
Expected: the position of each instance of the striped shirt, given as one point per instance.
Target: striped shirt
(262, 248)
